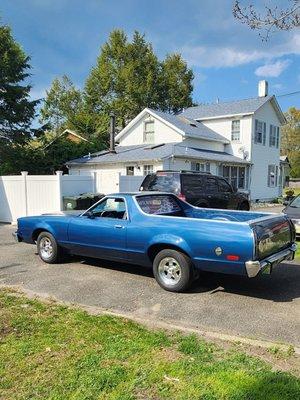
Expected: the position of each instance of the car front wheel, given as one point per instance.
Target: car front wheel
(47, 248)
(173, 270)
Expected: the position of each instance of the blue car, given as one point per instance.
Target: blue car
(162, 231)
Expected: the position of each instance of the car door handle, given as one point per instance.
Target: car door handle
(119, 226)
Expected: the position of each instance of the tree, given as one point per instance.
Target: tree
(16, 110)
(62, 103)
(176, 83)
(274, 18)
(129, 77)
(290, 140)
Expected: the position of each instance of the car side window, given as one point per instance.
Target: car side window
(211, 185)
(111, 207)
(224, 186)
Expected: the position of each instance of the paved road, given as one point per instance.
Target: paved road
(267, 307)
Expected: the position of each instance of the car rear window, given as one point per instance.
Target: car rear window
(162, 182)
(158, 204)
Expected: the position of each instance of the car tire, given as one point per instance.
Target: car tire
(244, 206)
(173, 270)
(48, 249)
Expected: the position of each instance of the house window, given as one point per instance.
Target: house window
(200, 167)
(149, 131)
(235, 130)
(272, 175)
(260, 132)
(274, 136)
(130, 170)
(236, 176)
(148, 169)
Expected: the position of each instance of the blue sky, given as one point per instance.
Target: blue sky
(228, 59)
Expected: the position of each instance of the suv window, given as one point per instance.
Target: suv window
(162, 182)
(193, 184)
(224, 186)
(211, 185)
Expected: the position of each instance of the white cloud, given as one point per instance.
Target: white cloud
(272, 70)
(229, 56)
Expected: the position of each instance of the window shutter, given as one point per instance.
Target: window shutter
(276, 175)
(208, 167)
(277, 137)
(269, 175)
(193, 166)
(270, 135)
(264, 133)
(255, 131)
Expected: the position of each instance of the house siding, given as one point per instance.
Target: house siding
(263, 156)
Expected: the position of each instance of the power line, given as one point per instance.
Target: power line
(288, 94)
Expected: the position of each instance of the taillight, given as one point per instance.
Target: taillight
(182, 197)
(232, 257)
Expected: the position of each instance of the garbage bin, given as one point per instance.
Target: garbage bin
(70, 202)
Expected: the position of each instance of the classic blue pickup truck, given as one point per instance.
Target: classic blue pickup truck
(160, 230)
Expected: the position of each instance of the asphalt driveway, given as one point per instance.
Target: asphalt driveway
(267, 307)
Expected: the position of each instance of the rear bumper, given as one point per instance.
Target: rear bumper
(17, 237)
(253, 268)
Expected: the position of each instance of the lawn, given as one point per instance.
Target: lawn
(49, 351)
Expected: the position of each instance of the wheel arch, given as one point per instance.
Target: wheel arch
(155, 248)
(38, 230)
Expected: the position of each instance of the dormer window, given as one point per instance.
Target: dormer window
(149, 131)
(235, 130)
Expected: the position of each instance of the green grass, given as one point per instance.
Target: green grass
(54, 352)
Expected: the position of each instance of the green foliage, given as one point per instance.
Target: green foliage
(129, 77)
(55, 352)
(16, 110)
(290, 140)
(63, 101)
(176, 84)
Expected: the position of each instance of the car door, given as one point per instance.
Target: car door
(211, 192)
(101, 231)
(225, 195)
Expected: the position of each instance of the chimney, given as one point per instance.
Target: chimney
(112, 133)
(262, 88)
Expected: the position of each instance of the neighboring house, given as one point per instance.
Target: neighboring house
(238, 140)
(70, 136)
(285, 168)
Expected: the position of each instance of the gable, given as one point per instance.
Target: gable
(135, 133)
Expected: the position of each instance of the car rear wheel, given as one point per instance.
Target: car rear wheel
(48, 248)
(173, 270)
(244, 206)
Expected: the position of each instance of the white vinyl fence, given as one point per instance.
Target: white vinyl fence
(25, 194)
(130, 183)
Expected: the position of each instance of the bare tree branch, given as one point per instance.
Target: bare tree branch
(273, 19)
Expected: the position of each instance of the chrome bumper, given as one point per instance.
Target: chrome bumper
(254, 267)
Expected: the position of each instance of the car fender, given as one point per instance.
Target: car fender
(43, 226)
(172, 240)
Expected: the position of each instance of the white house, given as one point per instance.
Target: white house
(238, 140)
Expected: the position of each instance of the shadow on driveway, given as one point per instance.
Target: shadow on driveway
(283, 285)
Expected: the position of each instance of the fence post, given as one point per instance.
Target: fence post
(24, 184)
(59, 190)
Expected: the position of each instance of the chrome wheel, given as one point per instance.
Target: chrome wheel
(169, 271)
(46, 248)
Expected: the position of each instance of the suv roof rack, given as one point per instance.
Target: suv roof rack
(184, 171)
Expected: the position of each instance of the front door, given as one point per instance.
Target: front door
(101, 231)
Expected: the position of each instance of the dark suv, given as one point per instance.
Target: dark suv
(199, 189)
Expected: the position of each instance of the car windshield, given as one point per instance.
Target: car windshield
(296, 202)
